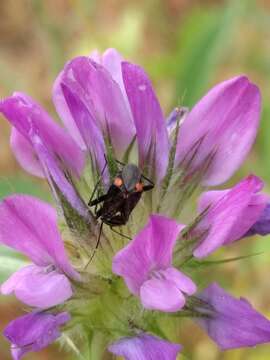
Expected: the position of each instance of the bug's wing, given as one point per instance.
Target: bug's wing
(130, 203)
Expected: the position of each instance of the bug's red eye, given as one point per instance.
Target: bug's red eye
(118, 182)
(139, 187)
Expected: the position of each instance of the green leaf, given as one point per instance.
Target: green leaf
(194, 264)
(19, 184)
(205, 38)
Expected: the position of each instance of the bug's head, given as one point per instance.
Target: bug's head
(131, 176)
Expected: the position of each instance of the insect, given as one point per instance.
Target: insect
(122, 196)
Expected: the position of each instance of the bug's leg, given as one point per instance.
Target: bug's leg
(117, 232)
(97, 200)
(148, 187)
(149, 181)
(98, 182)
(120, 163)
(96, 247)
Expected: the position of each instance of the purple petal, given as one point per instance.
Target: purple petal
(152, 136)
(231, 214)
(24, 153)
(30, 226)
(18, 353)
(145, 347)
(94, 86)
(150, 250)
(91, 134)
(56, 175)
(262, 225)
(178, 114)
(233, 323)
(33, 332)
(38, 287)
(162, 295)
(225, 121)
(23, 113)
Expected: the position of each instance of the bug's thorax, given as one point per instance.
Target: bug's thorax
(129, 180)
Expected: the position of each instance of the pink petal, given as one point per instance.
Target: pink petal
(152, 136)
(150, 250)
(226, 120)
(182, 281)
(231, 215)
(38, 288)
(56, 176)
(91, 134)
(162, 295)
(24, 114)
(111, 60)
(95, 56)
(64, 111)
(249, 215)
(24, 153)
(30, 226)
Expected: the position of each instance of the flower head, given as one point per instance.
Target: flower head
(116, 223)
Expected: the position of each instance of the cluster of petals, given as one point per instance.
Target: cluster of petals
(230, 214)
(29, 226)
(102, 99)
(146, 266)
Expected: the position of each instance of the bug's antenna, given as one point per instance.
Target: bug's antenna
(99, 180)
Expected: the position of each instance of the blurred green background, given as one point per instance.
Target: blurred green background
(186, 46)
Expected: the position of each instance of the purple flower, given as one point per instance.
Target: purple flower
(230, 322)
(24, 114)
(33, 332)
(230, 215)
(30, 226)
(221, 126)
(146, 266)
(112, 114)
(145, 347)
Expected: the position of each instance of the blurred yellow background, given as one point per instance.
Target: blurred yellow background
(186, 46)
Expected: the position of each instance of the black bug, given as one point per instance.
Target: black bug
(121, 198)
